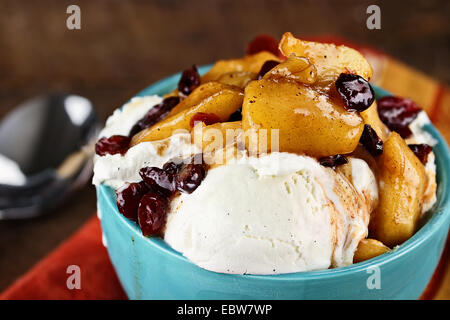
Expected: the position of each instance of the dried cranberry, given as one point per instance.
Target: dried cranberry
(397, 113)
(206, 118)
(112, 145)
(264, 42)
(152, 213)
(236, 116)
(128, 198)
(371, 142)
(190, 79)
(190, 177)
(421, 151)
(355, 91)
(172, 167)
(333, 161)
(163, 181)
(155, 114)
(266, 67)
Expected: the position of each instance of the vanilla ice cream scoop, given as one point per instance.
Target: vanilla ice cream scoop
(275, 214)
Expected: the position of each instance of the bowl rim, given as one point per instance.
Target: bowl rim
(439, 214)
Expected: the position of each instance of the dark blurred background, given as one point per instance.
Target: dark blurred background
(123, 46)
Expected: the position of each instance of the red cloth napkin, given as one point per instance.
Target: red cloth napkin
(48, 279)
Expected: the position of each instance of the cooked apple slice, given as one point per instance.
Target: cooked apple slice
(218, 142)
(222, 103)
(219, 134)
(308, 122)
(370, 117)
(237, 78)
(199, 95)
(329, 59)
(368, 249)
(295, 68)
(249, 63)
(402, 182)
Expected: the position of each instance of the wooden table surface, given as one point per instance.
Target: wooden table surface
(123, 46)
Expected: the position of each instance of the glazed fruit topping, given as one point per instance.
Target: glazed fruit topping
(190, 177)
(421, 151)
(190, 79)
(371, 141)
(112, 145)
(355, 91)
(397, 113)
(128, 198)
(206, 118)
(333, 161)
(266, 67)
(264, 42)
(160, 180)
(152, 213)
(155, 114)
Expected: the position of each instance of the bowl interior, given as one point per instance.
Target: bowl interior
(437, 216)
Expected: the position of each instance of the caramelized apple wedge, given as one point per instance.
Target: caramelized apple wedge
(199, 95)
(402, 182)
(295, 68)
(368, 249)
(219, 142)
(249, 63)
(370, 117)
(308, 121)
(216, 135)
(237, 78)
(222, 103)
(329, 59)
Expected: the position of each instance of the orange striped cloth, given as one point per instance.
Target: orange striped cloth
(404, 81)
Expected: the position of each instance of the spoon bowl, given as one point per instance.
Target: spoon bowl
(46, 146)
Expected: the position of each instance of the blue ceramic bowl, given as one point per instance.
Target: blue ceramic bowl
(148, 268)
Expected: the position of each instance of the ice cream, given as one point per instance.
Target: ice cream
(123, 119)
(114, 170)
(273, 214)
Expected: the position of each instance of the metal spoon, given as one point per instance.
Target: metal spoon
(46, 148)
